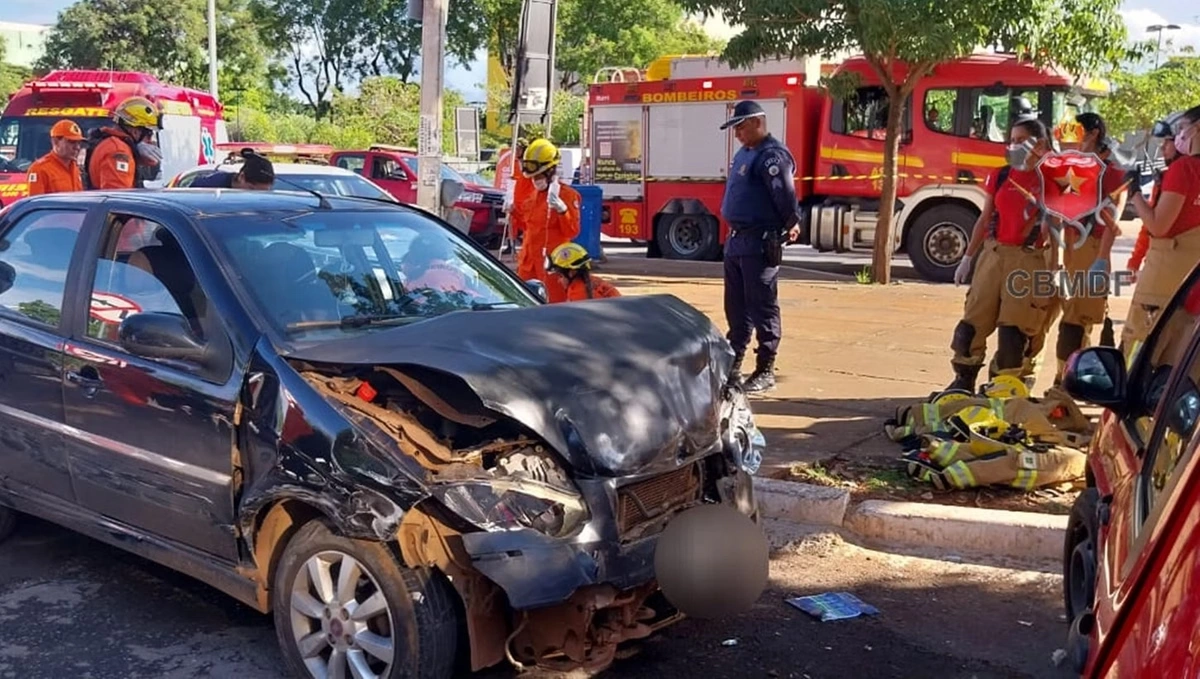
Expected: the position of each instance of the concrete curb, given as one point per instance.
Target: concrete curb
(1018, 535)
(994, 532)
(801, 502)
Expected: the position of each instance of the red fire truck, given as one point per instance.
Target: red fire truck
(655, 149)
(192, 120)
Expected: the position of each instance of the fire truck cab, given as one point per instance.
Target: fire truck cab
(192, 122)
(656, 151)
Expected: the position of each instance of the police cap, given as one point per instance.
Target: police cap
(744, 111)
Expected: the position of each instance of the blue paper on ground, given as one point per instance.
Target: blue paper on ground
(833, 606)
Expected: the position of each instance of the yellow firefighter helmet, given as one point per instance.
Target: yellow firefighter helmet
(138, 112)
(540, 157)
(1006, 386)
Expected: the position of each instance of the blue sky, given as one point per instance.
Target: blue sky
(1138, 15)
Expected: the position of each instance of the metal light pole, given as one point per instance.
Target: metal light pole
(212, 47)
(1160, 28)
(429, 134)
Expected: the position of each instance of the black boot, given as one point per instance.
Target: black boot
(735, 371)
(964, 377)
(763, 378)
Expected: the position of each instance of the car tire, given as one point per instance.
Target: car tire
(414, 610)
(938, 239)
(1079, 554)
(8, 522)
(692, 237)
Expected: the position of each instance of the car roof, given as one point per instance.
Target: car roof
(281, 168)
(204, 202)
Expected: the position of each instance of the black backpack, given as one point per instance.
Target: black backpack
(94, 137)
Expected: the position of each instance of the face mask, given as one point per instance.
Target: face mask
(540, 183)
(1018, 154)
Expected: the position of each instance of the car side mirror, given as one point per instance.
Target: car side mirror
(8, 276)
(539, 289)
(451, 190)
(160, 335)
(1097, 375)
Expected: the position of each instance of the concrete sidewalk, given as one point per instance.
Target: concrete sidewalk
(851, 353)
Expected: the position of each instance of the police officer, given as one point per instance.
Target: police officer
(761, 210)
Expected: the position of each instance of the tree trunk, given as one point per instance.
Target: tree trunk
(881, 262)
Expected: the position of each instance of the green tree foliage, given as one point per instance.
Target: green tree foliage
(41, 311)
(1142, 98)
(592, 34)
(384, 112)
(327, 44)
(168, 38)
(903, 40)
(11, 77)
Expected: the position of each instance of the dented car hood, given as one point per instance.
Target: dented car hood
(615, 385)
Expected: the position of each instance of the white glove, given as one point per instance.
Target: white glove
(963, 270)
(509, 194)
(555, 201)
(150, 153)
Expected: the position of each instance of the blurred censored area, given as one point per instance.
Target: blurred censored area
(712, 561)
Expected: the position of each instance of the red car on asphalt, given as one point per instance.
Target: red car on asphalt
(394, 168)
(1131, 561)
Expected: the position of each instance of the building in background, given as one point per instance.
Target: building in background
(24, 43)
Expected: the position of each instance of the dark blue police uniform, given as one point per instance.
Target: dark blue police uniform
(760, 202)
(215, 179)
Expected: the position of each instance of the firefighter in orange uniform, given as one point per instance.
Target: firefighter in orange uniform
(572, 263)
(517, 190)
(57, 171)
(551, 216)
(115, 160)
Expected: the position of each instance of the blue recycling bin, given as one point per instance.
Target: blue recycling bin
(589, 218)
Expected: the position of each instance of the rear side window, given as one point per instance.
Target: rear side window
(35, 255)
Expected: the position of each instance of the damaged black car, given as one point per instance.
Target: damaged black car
(349, 416)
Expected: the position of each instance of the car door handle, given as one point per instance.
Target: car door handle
(88, 380)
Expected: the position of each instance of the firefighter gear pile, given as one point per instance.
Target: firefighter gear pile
(1000, 436)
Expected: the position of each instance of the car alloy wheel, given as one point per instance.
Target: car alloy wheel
(340, 618)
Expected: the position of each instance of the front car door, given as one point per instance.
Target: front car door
(153, 441)
(1141, 456)
(392, 176)
(1156, 637)
(36, 249)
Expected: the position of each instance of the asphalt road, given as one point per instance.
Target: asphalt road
(72, 607)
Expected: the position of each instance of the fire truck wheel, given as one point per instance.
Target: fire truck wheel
(938, 240)
(691, 237)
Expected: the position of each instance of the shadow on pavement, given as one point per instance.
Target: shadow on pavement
(852, 427)
(88, 609)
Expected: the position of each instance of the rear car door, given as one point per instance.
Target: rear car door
(156, 444)
(36, 249)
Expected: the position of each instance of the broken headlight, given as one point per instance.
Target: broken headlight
(509, 505)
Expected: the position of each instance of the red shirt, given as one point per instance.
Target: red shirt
(1014, 211)
(1183, 177)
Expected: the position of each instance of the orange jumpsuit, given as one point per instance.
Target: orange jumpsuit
(114, 163)
(546, 229)
(577, 290)
(51, 174)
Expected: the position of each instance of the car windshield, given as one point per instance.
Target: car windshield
(447, 171)
(324, 275)
(24, 139)
(332, 184)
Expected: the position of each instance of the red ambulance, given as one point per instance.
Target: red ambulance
(192, 120)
